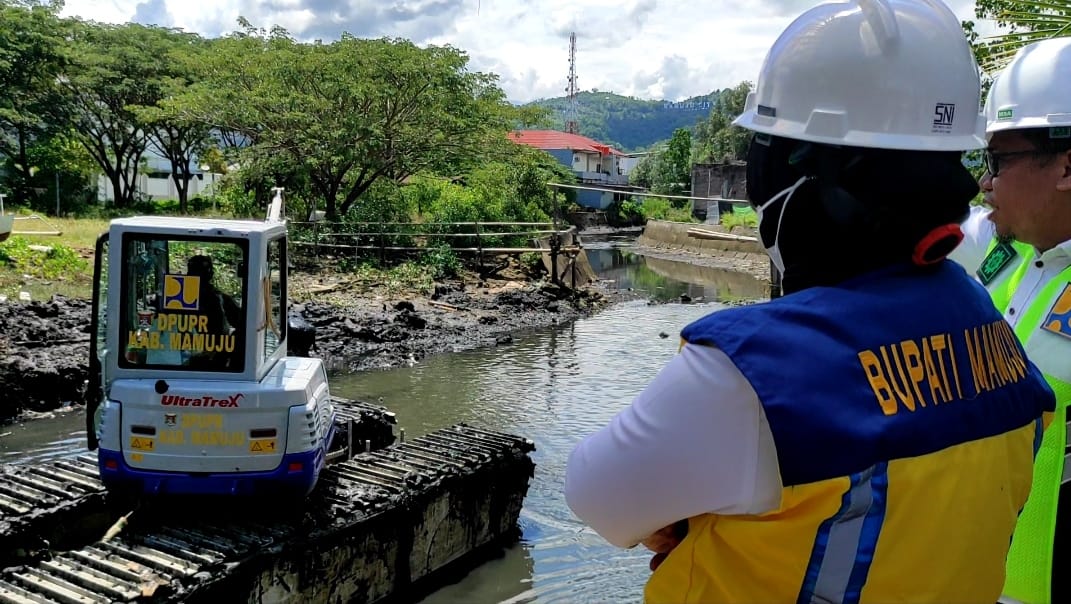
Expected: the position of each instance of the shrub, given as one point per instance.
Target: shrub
(659, 208)
(740, 217)
(59, 261)
(442, 261)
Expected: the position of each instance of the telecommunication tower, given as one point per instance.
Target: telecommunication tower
(572, 109)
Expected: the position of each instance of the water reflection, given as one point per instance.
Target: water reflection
(41, 440)
(665, 280)
(553, 386)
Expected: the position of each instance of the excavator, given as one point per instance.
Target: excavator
(248, 478)
(191, 388)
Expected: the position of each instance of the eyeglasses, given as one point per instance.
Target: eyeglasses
(992, 160)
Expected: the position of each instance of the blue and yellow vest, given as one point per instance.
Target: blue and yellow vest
(906, 418)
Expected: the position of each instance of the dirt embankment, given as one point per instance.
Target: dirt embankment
(44, 352)
(672, 241)
(44, 346)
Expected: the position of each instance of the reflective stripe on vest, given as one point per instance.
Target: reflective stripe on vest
(1031, 557)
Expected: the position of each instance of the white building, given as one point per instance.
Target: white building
(154, 180)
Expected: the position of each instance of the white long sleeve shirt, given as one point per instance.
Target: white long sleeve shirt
(978, 231)
(695, 441)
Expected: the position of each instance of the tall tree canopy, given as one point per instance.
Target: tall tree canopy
(349, 112)
(716, 138)
(32, 59)
(117, 70)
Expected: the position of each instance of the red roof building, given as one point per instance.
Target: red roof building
(597, 166)
(550, 140)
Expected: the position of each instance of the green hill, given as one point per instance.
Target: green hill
(628, 123)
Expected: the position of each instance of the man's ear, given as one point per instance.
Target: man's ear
(1064, 182)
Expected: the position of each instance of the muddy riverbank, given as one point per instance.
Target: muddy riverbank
(44, 345)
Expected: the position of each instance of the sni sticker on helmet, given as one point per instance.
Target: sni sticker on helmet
(944, 114)
(1059, 319)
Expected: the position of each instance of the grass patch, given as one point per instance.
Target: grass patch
(43, 269)
(65, 268)
(659, 208)
(77, 233)
(745, 217)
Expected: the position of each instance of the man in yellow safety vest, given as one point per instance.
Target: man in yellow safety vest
(1020, 249)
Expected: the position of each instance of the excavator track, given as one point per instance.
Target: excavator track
(43, 506)
(378, 525)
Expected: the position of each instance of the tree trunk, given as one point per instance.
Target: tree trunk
(22, 189)
(118, 197)
(181, 175)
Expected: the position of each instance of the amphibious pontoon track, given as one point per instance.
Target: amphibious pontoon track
(375, 526)
(48, 505)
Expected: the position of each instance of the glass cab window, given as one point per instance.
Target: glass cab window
(274, 301)
(182, 303)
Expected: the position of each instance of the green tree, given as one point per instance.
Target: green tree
(1023, 22)
(64, 163)
(117, 69)
(642, 174)
(716, 138)
(353, 111)
(170, 133)
(668, 168)
(32, 104)
(673, 172)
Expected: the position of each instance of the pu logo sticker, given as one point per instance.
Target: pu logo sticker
(1059, 319)
(995, 262)
(182, 292)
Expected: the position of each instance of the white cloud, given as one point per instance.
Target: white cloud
(654, 49)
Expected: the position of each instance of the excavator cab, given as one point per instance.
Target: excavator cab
(193, 390)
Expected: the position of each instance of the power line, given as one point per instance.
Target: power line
(643, 194)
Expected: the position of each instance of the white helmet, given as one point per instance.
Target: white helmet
(1034, 90)
(890, 74)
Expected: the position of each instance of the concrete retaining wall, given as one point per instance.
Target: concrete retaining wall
(662, 234)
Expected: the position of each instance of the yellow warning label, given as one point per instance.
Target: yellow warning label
(262, 446)
(136, 457)
(140, 443)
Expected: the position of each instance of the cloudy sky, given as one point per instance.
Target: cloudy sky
(651, 49)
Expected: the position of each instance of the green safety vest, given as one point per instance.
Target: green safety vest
(1044, 326)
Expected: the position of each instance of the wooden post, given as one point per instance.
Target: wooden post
(555, 241)
(572, 270)
(555, 249)
(382, 246)
(479, 246)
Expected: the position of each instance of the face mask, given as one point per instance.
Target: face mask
(774, 251)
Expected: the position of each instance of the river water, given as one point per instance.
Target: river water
(553, 386)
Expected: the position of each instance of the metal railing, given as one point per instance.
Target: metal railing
(476, 237)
